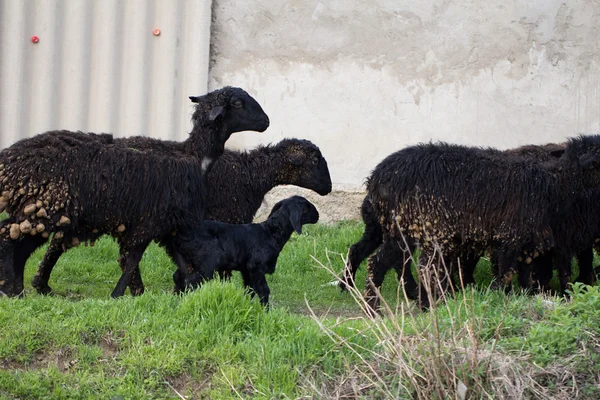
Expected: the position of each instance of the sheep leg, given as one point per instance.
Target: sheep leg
(542, 272)
(402, 265)
(23, 250)
(435, 274)
(8, 286)
(371, 238)
(129, 259)
(183, 267)
(585, 260)
(504, 267)
(42, 276)
(467, 270)
(378, 265)
(562, 262)
(258, 283)
(202, 270)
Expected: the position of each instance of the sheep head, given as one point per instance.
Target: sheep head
(584, 152)
(304, 166)
(232, 109)
(299, 211)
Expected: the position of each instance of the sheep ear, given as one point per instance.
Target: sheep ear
(296, 220)
(588, 161)
(274, 209)
(557, 153)
(216, 112)
(195, 99)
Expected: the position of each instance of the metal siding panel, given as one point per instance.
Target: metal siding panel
(106, 65)
(98, 67)
(195, 58)
(14, 42)
(46, 62)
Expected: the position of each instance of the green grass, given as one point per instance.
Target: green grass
(217, 342)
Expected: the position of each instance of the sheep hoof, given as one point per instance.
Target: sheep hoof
(43, 289)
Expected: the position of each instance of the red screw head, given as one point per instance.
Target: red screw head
(156, 32)
(35, 39)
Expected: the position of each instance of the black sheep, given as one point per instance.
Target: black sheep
(52, 183)
(467, 200)
(238, 182)
(252, 249)
(372, 236)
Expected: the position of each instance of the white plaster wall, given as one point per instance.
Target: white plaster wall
(364, 78)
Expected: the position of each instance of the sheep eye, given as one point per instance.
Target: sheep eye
(237, 104)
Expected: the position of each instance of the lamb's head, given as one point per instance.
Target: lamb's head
(232, 109)
(303, 166)
(297, 210)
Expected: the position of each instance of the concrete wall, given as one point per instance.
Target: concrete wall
(363, 78)
(98, 66)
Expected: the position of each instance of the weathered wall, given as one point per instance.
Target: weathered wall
(363, 78)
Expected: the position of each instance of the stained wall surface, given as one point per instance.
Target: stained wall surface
(99, 67)
(363, 78)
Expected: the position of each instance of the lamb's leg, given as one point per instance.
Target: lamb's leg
(585, 259)
(202, 270)
(42, 276)
(129, 260)
(371, 238)
(182, 265)
(8, 284)
(258, 283)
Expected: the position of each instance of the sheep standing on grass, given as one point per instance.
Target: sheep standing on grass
(252, 249)
(52, 183)
(459, 200)
(390, 257)
(238, 182)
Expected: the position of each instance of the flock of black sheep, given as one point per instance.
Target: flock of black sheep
(531, 209)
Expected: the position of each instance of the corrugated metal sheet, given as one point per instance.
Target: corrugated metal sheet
(98, 66)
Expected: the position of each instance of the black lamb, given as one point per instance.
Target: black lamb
(467, 200)
(252, 249)
(238, 182)
(82, 188)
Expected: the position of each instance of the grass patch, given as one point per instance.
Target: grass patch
(217, 342)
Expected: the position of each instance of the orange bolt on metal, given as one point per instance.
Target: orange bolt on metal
(156, 32)
(35, 39)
